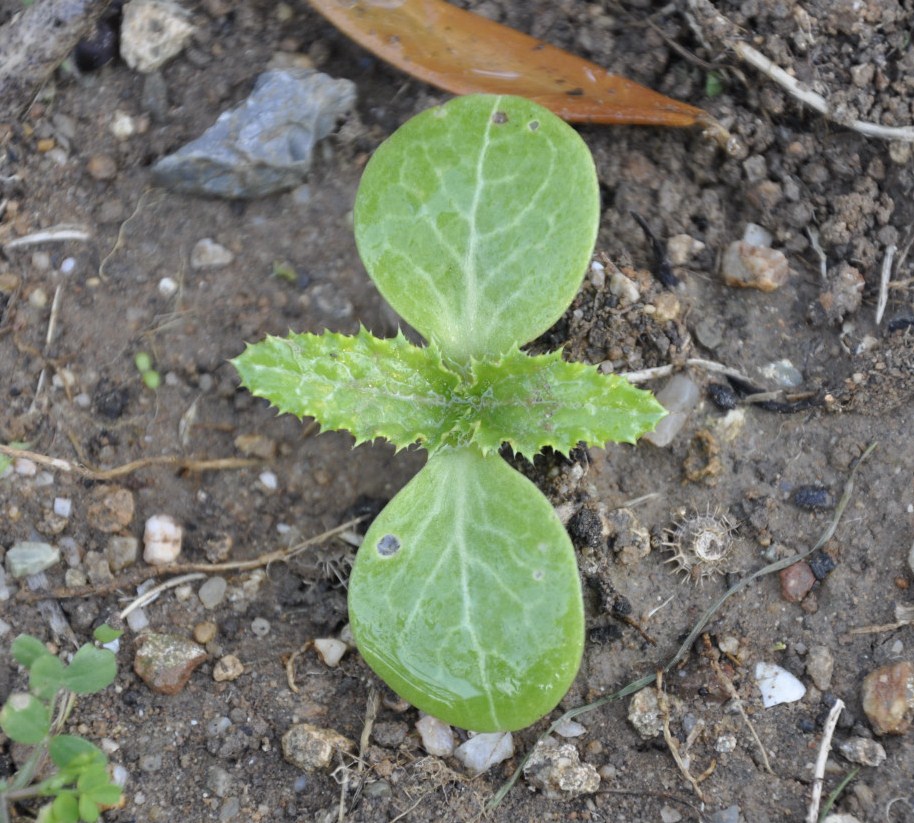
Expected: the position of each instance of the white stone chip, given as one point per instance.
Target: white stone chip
(483, 751)
(437, 736)
(777, 685)
(331, 650)
(162, 540)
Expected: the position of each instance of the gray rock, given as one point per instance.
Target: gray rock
(98, 568)
(165, 663)
(218, 781)
(437, 736)
(557, 771)
(483, 751)
(819, 666)
(265, 144)
(212, 592)
(862, 750)
(208, 254)
(27, 557)
(729, 815)
(122, 551)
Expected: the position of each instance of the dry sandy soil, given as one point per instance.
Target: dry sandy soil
(212, 752)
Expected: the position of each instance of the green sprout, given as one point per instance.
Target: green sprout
(476, 220)
(151, 378)
(77, 778)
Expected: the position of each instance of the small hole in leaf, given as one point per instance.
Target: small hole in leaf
(499, 117)
(533, 125)
(388, 546)
(538, 575)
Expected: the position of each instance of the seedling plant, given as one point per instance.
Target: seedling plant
(76, 781)
(476, 220)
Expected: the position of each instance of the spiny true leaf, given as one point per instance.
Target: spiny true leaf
(465, 595)
(476, 220)
(390, 388)
(366, 385)
(534, 402)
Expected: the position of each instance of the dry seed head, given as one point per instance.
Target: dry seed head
(700, 544)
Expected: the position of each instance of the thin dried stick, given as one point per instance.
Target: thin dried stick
(884, 280)
(131, 580)
(791, 85)
(644, 375)
(734, 695)
(55, 234)
(188, 463)
(148, 596)
(671, 742)
(812, 815)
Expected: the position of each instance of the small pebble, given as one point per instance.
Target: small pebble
(260, 627)
(888, 698)
(310, 747)
(796, 581)
(681, 248)
(208, 254)
(570, 728)
(756, 235)
(330, 650)
(168, 287)
(729, 815)
(162, 540)
(557, 771)
(122, 125)
(212, 592)
(777, 685)
(819, 666)
(812, 498)
(38, 298)
(483, 751)
(137, 620)
(27, 557)
(165, 662)
(782, 374)
(644, 714)
(122, 551)
(269, 480)
(63, 506)
(218, 781)
(437, 736)
(25, 467)
(102, 167)
(152, 32)
(822, 564)
(725, 744)
(862, 750)
(722, 396)
(205, 632)
(68, 265)
(669, 815)
(98, 568)
(227, 668)
(110, 509)
(678, 397)
(756, 267)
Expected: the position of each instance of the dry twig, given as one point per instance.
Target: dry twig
(722, 26)
(671, 742)
(812, 815)
(129, 581)
(711, 655)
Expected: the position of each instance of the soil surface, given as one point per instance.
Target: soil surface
(831, 199)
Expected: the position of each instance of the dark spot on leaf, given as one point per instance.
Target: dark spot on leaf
(533, 125)
(499, 117)
(388, 546)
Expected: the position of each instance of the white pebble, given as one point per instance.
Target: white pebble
(678, 397)
(162, 540)
(122, 125)
(137, 620)
(4, 628)
(68, 265)
(437, 736)
(756, 235)
(63, 506)
(269, 480)
(168, 286)
(25, 467)
(777, 685)
(483, 751)
(331, 650)
(212, 592)
(260, 626)
(570, 728)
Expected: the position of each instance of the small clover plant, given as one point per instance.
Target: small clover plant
(476, 220)
(78, 778)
